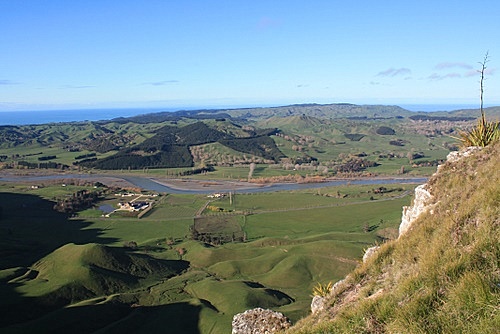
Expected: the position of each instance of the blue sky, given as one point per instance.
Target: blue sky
(98, 54)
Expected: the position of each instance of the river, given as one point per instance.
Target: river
(149, 184)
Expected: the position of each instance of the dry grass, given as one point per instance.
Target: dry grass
(443, 276)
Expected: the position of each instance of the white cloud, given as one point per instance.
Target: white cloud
(77, 86)
(436, 76)
(4, 82)
(161, 83)
(447, 65)
(392, 72)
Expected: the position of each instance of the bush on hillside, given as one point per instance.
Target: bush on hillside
(484, 133)
(385, 130)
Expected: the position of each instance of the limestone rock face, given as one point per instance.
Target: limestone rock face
(259, 321)
(421, 204)
(317, 304)
(423, 201)
(458, 155)
(369, 252)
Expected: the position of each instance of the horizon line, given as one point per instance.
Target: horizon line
(251, 105)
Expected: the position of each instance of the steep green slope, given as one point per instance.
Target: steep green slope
(75, 273)
(442, 276)
(94, 270)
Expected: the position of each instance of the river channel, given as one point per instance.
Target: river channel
(148, 184)
(222, 186)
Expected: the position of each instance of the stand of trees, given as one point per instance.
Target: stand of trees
(170, 148)
(217, 239)
(78, 201)
(44, 165)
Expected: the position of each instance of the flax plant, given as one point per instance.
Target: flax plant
(485, 132)
(322, 290)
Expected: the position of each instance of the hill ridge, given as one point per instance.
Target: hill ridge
(442, 275)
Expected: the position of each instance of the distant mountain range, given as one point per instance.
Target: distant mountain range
(338, 110)
(189, 138)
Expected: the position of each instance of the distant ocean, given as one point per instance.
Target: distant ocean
(438, 107)
(57, 116)
(74, 115)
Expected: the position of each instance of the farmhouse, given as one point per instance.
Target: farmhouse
(217, 195)
(126, 194)
(133, 206)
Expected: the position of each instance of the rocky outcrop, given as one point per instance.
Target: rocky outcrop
(424, 201)
(421, 204)
(458, 155)
(317, 304)
(369, 252)
(259, 321)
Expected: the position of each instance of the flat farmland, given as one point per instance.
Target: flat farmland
(311, 198)
(294, 240)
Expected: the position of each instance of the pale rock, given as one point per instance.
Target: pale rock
(337, 285)
(259, 321)
(317, 304)
(423, 198)
(464, 153)
(369, 253)
(421, 204)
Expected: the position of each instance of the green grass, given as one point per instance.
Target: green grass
(440, 277)
(295, 240)
(287, 252)
(310, 198)
(325, 142)
(347, 219)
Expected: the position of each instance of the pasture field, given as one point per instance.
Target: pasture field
(325, 143)
(220, 172)
(310, 198)
(295, 240)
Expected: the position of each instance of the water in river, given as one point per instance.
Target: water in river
(148, 184)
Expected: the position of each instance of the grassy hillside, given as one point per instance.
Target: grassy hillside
(311, 135)
(442, 276)
(76, 272)
(57, 271)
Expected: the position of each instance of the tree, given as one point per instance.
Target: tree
(130, 244)
(252, 168)
(181, 251)
(170, 241)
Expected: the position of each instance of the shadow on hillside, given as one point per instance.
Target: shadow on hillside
(120, 287)
(30, 229)
(108, 318)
